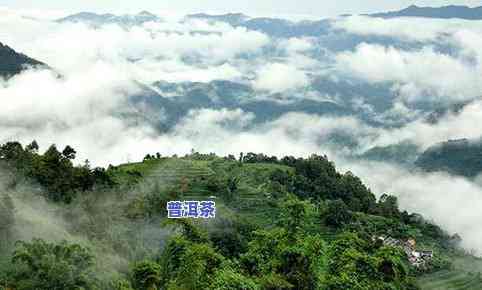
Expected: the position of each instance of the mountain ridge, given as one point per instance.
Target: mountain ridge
(14, 62)
(231, 18)
(97, 20)
(442, 12)
(459, 157)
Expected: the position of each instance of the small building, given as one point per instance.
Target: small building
(426, 254)
(416, 258)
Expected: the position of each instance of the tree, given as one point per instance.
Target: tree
(388, 206)
(262, 255)
(355, 263)
(302, 265)
(7, 219)
(287, 257)
(69, 152)
(230, 236)
(294, 214)
(147, 275)
(53, 170)
(390, 264)
(232, 187)
(189, 265)
(45, 266)
(189, 230)
(229, 279)
(148, 157)
(200, 271)
(350, 267)
(337, 214)
(121, 284)
(278, 262)
(354, 193)
(32, 147)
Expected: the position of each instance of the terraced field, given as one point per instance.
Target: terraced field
(464, 275)
(180, 173)
(451, 280)
(251, 199)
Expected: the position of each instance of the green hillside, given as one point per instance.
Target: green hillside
(289, 223)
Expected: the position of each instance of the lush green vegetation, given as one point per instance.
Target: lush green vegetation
(288, 223)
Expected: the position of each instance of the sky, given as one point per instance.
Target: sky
(313, 8)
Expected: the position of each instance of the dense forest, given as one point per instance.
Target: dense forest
(281, 223)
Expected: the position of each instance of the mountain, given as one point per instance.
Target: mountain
(272, 26)
(175, 100)
(460, 157)
(404, 153)
(233, 19)
(445, 111)
(13, 62)
(232, 95)
(284, 28)
(445, 12)
(97, 20)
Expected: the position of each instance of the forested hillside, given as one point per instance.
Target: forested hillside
(287, 223)
(13, 63)
(460, 157)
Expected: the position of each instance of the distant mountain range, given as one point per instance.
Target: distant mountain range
(12, 62)
(231, 18)
(460, 157)
(175, 100)
(404, 153)
(445, 12)
(274, 27)
(97, 20)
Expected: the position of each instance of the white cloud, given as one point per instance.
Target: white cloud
(407, 28)
(100, 68)
(279, 77)
(231, 131)
(74, 47)
(422, 73)
(424, 134)
(297, 45)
